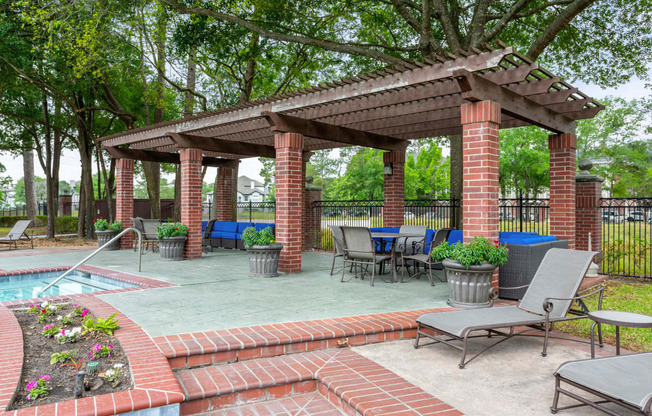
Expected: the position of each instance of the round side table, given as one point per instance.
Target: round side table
(617, 318)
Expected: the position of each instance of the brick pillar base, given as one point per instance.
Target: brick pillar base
(124, 198)
(191, 200)
(562, 186)
(289, 199)
(588, 213)
(394, 207)
(224, 194)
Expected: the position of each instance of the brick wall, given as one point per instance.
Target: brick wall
(588, 215)
(124, 194)
(562, 186)
(191, 205)
(224, 195)
(393, 210)
(289, 199)
(312, 219)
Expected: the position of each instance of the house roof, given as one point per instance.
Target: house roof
(244, 186)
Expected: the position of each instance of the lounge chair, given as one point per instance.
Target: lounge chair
(359, 250)
(18, 233)
(338, 243)
(547, 300)
(440, 236)
(625, 380)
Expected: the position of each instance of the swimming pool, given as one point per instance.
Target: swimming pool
(27, 286)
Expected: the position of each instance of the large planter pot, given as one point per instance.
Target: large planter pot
(470, 288)
(103, 237)
(171, 248)
(263, 260)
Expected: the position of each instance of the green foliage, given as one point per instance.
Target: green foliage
(524, 161)
(62, 357)
(479, 250)
(108, 325)
(116, 226)
(63, 225)
(427, 172)
(101, 224)
(363, 178)
(171, 229)
(50, 331)
(252, 237)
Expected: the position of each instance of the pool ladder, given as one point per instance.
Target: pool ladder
(90, 256)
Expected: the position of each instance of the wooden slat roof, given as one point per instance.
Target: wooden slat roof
(389, 106)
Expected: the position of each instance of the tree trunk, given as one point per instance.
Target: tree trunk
(108, 181)
(456, 177)
(28, 178)
(152, 172)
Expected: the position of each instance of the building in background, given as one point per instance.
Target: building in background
(250, 190)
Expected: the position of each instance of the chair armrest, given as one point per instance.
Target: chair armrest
(493, 293)
(548, 306)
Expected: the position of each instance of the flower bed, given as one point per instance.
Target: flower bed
(61, 339)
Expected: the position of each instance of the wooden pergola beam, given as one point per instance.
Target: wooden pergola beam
(331, 132)
(186, 141)
(165, 157)
(476, 88)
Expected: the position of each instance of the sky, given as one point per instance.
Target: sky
(71, 168)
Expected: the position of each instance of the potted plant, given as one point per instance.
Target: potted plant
(105, 232)
(469, 268)
(172, 238)
(263, 251)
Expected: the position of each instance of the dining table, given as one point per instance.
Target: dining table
(394, 236)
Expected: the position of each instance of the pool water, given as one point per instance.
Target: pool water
(27, 286)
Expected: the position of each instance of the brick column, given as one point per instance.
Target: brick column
(394, 206)
(191, 200)
(289, 199)
(224, 195)
(124, 198)
(481, 125)
(588, 213)
(562, 186)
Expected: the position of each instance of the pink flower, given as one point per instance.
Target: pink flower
(45, 377)
(85, 312)
(63, 331)
(30, 385)
(110, 346)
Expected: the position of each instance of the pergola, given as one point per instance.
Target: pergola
(473, 93)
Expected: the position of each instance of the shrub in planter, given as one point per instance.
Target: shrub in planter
(263, 252)
(105, 232)
(172, 238)
(469, 268)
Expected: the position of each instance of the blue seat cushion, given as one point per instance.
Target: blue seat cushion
(230, 236)
(216, 234)
(455, 236)
(243, 225)
(203, 225)
(260, 226)
(218, 225)
(230, 227)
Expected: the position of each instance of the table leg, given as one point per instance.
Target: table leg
(593, 339)
(617, 340)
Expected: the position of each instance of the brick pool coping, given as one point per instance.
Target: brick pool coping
(154, 382)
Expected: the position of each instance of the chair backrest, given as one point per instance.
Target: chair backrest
(338, 239)
(138, 224)
(19, 229)
(149, 228)
(441, 235)
(559, 276)
(358, 243)
(406, 243)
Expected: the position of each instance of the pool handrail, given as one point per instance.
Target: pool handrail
(73, 268)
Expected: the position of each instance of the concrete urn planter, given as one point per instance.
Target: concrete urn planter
(171, 248)
(263, 260)
(468, 289)
(103, 237)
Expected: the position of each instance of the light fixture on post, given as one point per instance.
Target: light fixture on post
(389, 168)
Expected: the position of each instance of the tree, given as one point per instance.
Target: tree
(363, 176)
(524, 161)
(324, 168)
(426, 171)
(5, 182)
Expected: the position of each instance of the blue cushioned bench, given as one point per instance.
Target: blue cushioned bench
(228, 234)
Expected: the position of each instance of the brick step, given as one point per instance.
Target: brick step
(312, 404)
(241, 344)
(352, 383)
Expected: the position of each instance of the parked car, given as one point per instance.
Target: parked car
(635, 216)
(358, 213)
(409, 215)
(612, 216)
(432, 215)
(505, 216)
(332, 213)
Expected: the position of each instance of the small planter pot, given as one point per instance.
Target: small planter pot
(468, 289)
(171, 248)
(103, 237)
(263, 260)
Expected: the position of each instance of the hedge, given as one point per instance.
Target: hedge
(62, 225)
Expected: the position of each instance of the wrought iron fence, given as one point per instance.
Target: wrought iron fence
(64, 209)
(524, 215)
(247, 211)
(627, 236)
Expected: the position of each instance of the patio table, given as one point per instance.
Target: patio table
(618, 319)
(394, 236)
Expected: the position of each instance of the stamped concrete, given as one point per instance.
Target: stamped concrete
(215, 292)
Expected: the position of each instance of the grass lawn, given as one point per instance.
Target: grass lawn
(621, 295)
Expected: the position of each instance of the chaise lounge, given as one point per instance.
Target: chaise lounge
(547, 300)
(18, 233)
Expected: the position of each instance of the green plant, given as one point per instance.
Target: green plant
(171, 229)
(101, 224)
(100, 351)
(479, 250)
(116, 226)
(75, 364)
(62, 357)
(65, 319)
(65, 337)
(252, 237)
(107, 325)
(38, 388)
(113, 375)
(50, 331)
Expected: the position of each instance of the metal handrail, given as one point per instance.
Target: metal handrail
(90, 256)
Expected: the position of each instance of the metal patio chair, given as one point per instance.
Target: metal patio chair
(359, 251)
(547, 300)
(625, 380)
(18, 233)
(338, 245)
(147, 227)
(429, 264)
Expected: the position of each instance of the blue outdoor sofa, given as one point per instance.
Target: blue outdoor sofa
(228, 234)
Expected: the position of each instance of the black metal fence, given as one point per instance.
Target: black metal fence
(247, 211)
(524, 215)
(64, 209)
(627, 236)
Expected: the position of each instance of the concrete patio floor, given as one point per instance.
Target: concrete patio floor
(215, 292)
